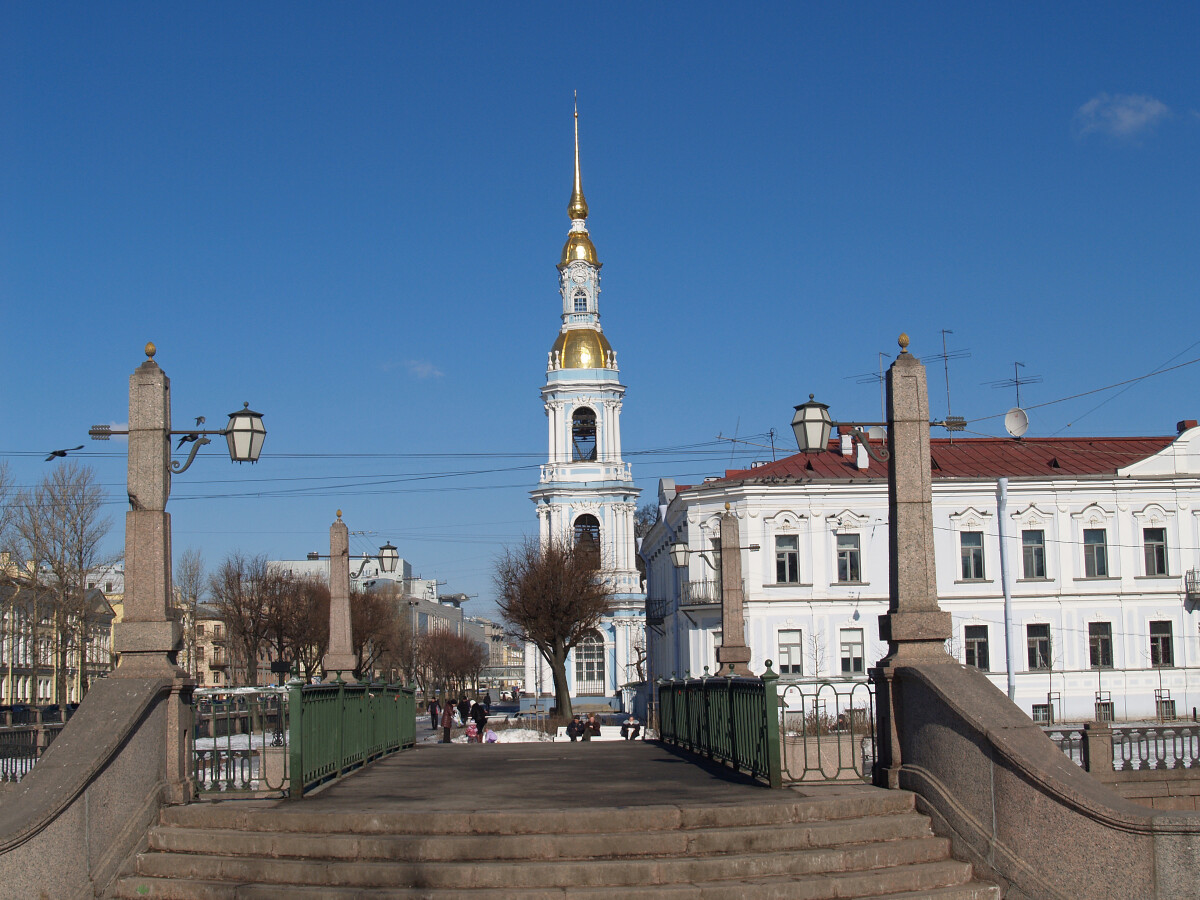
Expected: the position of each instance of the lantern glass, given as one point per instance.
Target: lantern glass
(245, 434)
(812, 426)
(679, 554)
(388, 558)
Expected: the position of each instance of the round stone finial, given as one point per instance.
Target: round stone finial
(151, 350)
(339, 515)
(903, 342)
(726, 506)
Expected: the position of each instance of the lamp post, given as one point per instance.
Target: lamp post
(149, 637)
(915, 627)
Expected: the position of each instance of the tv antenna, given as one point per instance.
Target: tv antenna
(1016, 381)
(868, 377)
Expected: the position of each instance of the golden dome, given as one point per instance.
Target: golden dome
(579, 246)
(582, 348)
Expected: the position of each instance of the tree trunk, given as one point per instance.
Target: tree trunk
(558, 671)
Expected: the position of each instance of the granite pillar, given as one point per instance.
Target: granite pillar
(339, 658)
(733, 655)
(149, 636)
(914, 627)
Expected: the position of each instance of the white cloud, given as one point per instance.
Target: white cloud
(422, 369)
(1119, 115)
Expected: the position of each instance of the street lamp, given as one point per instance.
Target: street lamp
(812, 425)
(388, 558)
(679, 552)
(245, 434)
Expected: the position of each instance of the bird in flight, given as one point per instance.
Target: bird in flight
(187, 437)
(59, 454)
(199, 421)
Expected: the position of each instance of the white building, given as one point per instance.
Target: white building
(586, 492)
(1102, 538)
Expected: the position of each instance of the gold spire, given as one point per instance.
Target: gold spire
(577, 208)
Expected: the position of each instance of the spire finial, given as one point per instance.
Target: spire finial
(577, 208)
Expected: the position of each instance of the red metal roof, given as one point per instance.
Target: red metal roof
(972, 458)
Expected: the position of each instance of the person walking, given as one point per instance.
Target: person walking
(447, 721)
(434, 712)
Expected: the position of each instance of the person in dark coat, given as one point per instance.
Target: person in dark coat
(591, 728)
(447, 721)
(434, 713)
(631, 728)
(464, 708)
(479, 714)
(575, 728)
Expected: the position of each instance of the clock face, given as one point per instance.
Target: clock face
(577, 276)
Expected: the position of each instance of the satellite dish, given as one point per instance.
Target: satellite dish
(1016, 422)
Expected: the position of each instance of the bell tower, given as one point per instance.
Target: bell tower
(585, 493)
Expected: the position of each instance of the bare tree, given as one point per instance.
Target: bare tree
(192, 586)
(61, 530)
(552, 596)
(448, 662)
(237, 592)
(376, 629)
(816, 653)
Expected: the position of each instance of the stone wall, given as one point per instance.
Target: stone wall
(1158, 789)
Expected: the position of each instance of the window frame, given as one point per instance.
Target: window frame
(846, 645)
(781, 559)
(789, 667)
(1155, 552)
(1095, 553)
(1100, 640)
(849, 558)
(1034, 645)
(972, 643)
(1033, 554)
(971, 556)
(1163, 640)
(590, 662)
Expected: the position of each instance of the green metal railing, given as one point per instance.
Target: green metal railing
(335, 728)
(733, 720)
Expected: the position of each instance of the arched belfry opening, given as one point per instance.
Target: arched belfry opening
(589, 665)
(583, 435)
(587, 538)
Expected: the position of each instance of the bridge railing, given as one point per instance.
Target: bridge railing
(21, 746)
(335, 728)
(733, 720)
(1129, 748)
(827, 729)
(240, 740)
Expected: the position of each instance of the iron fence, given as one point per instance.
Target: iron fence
(335, 728)
(827, 730)
(240, 740)
(25, 734)
(727, 719)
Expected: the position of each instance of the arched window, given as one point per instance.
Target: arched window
(589, 666)
(583, 435)
(580, 301)
(587, 538)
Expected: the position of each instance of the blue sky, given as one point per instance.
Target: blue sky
(349, 216)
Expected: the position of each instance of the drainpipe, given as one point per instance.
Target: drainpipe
(1001, 518)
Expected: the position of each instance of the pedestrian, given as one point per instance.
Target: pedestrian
(575, 728)
(487, 702)
(591, 727)
(631, 728)
(447, 721)
(464, 707)
(434, 714)
(479, 715)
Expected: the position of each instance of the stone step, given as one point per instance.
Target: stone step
(561, 874)
(455, 847)
(944, 880)
(293, 817)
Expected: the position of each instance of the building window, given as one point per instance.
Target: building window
(849, 558)
(852, 651)
(199, 629)
(971, 544)
(1100, 645)
(1037, 641)
(1162, 648)
(108, 586)
(787, 559)
(589, 665)
(975, 637)
(1033, 554)
(580, 301)
(199, 654)
(1043, 714)
(1154, 541)
(791, 653)
(1095, 553)
(583, 435)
